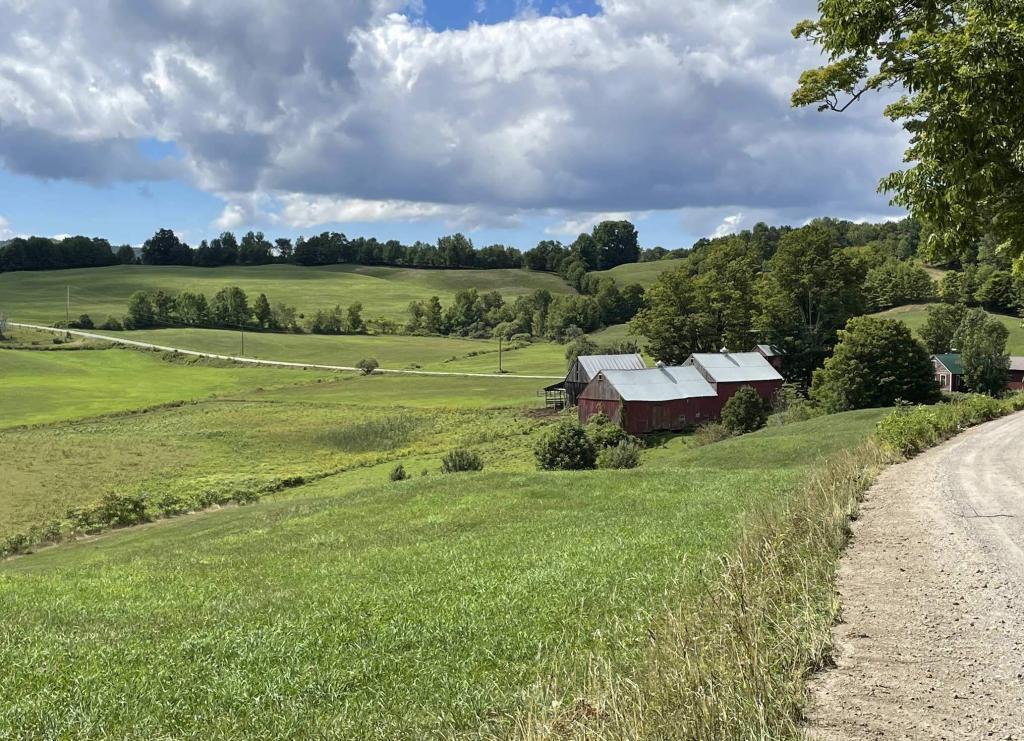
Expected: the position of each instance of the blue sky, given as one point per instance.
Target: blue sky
(510, 120)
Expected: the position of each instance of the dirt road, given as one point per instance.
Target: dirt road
(931, 643)
(259, 361)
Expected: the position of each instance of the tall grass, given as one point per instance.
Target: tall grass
(734, 664)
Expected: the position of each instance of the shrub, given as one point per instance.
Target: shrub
(121, 509)
(565, 447)
(398, 473)
(711, 432)
(367, 366)
(909, 430)
(626, 454)
(112, 324)
(604, 433)
(745, 411)
(461, 460)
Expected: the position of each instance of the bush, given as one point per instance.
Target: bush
(626, 454)
(461, 460)
(604, 433)
(398, 473)
(711, 432)
(112, 324)
(565, 447)
(83, 322)
(367, 366)
(909, 430)
(745, 411)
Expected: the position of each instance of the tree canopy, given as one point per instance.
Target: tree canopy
(961, 67)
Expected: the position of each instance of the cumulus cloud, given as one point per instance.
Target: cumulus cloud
(5, 229)
(581, 223)
(351, 110)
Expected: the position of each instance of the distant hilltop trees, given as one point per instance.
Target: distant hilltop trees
(610, 243)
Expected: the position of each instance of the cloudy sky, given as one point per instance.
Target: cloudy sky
(511, 120)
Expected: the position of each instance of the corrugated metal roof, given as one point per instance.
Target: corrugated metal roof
(769, 350)
(1017, 363)
(952, 363)
(659, 384)
(736, 367)
(594, 364)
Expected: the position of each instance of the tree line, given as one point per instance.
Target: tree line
(230, 307)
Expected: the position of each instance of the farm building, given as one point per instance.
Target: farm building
(586, 367)
(772, 354)
(728, 372)
(949, 372)
(650, 400)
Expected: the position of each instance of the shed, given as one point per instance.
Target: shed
(949, 371)
(1015, 379)
(586, 367)
(729, 372)
(772, 354)
(650, 400)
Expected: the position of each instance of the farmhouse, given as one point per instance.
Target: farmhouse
(949, 372)
(650, 400)
(586, 367)
(728, 372)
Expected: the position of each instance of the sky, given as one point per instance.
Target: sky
(509, 120)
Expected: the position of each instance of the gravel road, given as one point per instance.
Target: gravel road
(931, 643)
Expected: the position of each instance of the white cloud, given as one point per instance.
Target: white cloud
(480, 6)
(730, 225)
(5, 229)
(351, 110)
(576, 225)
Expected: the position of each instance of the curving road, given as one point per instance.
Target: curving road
(931, 644)
(257, 361)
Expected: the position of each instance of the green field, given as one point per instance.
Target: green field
(644, 273)
(445, 605)
(397, 352)
(914, 316)
(40, 387)
(384, 292)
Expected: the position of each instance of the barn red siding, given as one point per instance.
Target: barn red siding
(643, 417)
(766, 389)
(1015, 380)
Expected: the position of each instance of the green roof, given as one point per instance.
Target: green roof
(952, 363)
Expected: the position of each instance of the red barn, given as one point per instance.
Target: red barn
(728, 372)
(650, 400)
(1015, 378)
(772, 354)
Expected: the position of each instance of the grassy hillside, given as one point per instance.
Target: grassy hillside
(914, 316)
(446, 605)
(99, 292)
(244, 443)
(643, 273)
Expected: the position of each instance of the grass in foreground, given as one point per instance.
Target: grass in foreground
(38, 296)
(442, 605)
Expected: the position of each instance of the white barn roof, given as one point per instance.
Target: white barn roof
(658, 384)
(594, 364)
(735, 367)
(1016, 363)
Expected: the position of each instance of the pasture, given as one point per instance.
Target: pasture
(914, 316)
(644, 273)
(397, 352)
(447, 605)
(383, 291)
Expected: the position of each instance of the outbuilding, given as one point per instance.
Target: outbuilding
(651, 400)
(772, 354)
(728, 372)
(586, 367)
(949, 372)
